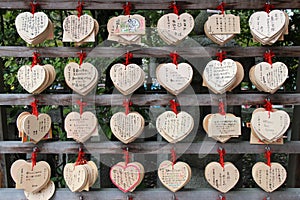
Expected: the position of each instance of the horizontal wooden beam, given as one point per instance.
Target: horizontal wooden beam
(145, 4)
(138, 51)
(108, 147)
(160, 194)
(151, 99)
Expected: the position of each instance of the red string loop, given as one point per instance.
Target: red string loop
(221, 7)
(128, 57)
(126, 104)
(33, 157)
(222, 153)
(127, 8)
(174, 105)
(34, 108)
(268, 7)
(35, 59)
(174, 56)
(222, 108)
(268, 106)
(173, 156)
(268, 57)
(33, 6)
(82, 56)
(80, 158)
(174, 7)
(81, 106)
(221, 55)
(79, 8)
(268, 154)
(126, 156)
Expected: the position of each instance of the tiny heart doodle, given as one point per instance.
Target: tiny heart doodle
(126, 29)
(81, 78)
(222, 178)
(223, 76)
(35, 79)
(269, 178)
(269, 126)
(127, 176)
(174, 78)
(174, 176)
(268, 77)
(127, 78)
(174, 127)
(80, 177)
(80, 29)
(34, 28)
(34, 181)
(34, 128)
(81, 127)
(127, 127)
(173, 28)
(222, 127)
(267, 28)
(221, 28)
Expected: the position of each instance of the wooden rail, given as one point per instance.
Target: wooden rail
(139, 51)
(145, 4)
(108, 147)
(151, 99)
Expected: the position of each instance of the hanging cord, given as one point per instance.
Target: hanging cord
(221, 107)
(268, 106)
(79, 8)
(81, 106)
(221, 7)
(80, 158)
(174, 56)
(126, 156)
(222, 153)
(33, 6)
(127, 8)
(126, 104)
(221, 197)
(221, 55)
(33, 157)
(268, 7)
(268, 56)
(173, 157)
(268, 154)
(128, 57)
(174, 105)
(35, 58)
(34, 108)
(82, 56)
(174, 6)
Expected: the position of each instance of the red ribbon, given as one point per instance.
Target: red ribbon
(174, 105)
(128, 57)
(221, 197)
(35, 59)
(221, 152)
(221, 7)
(33, 157)
(268, 154)
(79, 8)
(81, 106)
(221, 55)
(33, 6)
(268, 106)
(222, 108)
(126, 105)
(80, 158)
(126, 156)
(127, 8)
(130, 198)
(173, 156)
(268, 56)
(34, 108)
(175, 8)
(82, 56)
(268, 7)
(174, 56)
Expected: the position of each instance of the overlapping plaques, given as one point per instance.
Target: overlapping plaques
(34, 28)
(267, 28)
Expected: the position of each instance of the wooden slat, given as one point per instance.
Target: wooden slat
(160, 194)
(185, 52)
(151, 99)
(145, 4)
(108, 147)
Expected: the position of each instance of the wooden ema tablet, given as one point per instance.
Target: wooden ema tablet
(174, 78)
(222, 179)
(174, 177)
(127, 78)
(268, 78)
(126, 177)
(45, 194)
(174, 128)
(34, 28)
(267, 28)
(173, 28)
(81, 127)
(269, 178)
(127, 127)
(81, 78)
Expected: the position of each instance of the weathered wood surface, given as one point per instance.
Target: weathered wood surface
(138, 51)
(108, 147)
(151, 99)
(146, 4)
(160, 194)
